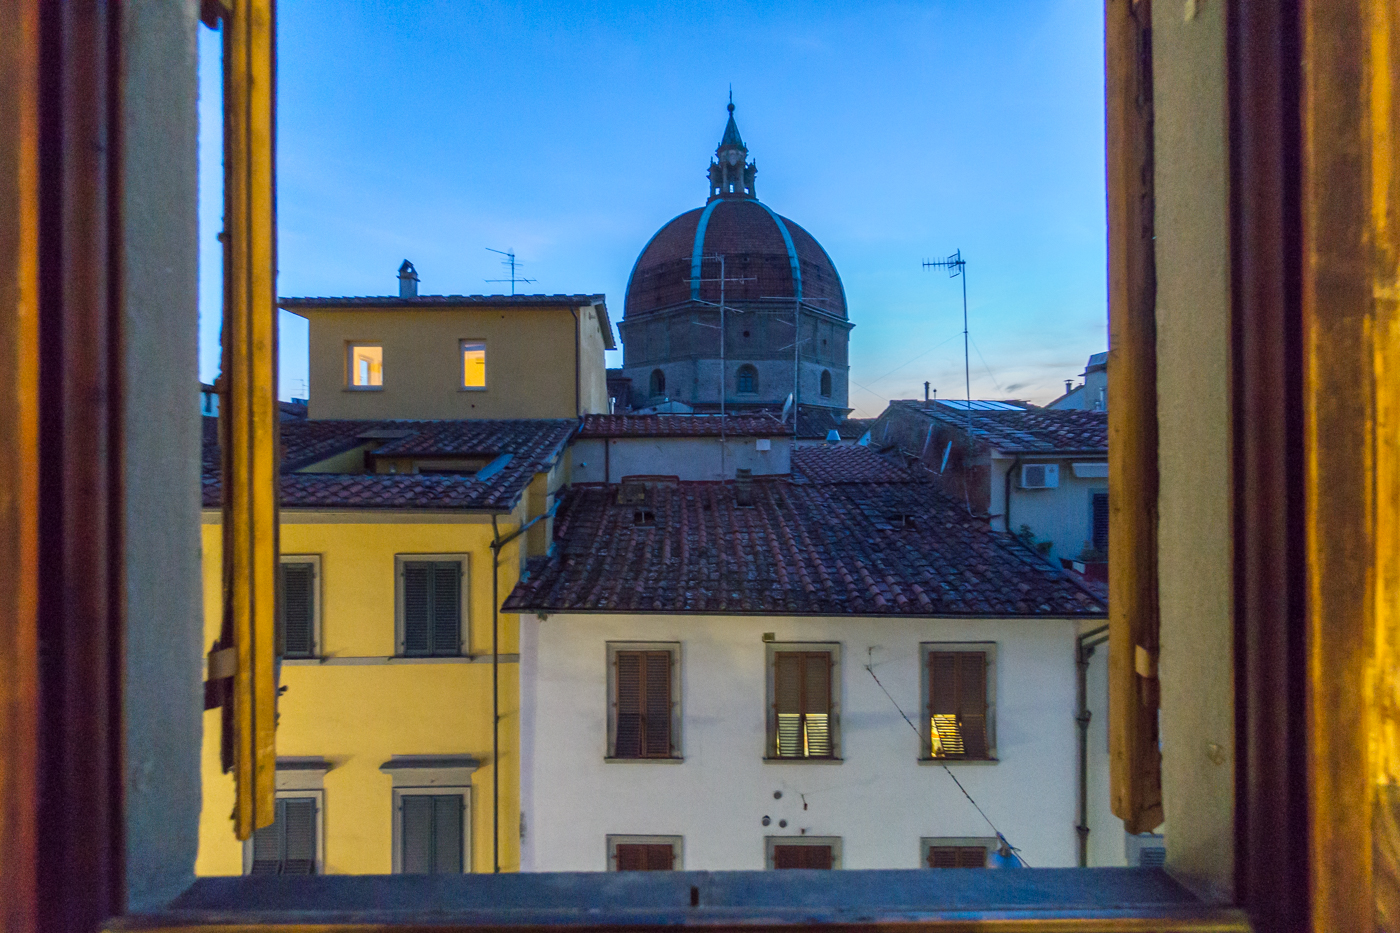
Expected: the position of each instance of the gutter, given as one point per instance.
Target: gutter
(1083, 651)
(496, 544)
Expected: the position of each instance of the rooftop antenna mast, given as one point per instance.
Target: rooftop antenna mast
(957, 267)
(723, 374)
(512, 263)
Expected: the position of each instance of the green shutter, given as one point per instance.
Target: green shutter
(298, 816)
(417, 608)
(430, 835)
(297, 610)
(447, 608)
(447, 833)
(267, 845)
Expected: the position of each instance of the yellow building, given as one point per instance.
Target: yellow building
(456, 356)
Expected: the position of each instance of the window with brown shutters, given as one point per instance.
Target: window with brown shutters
(956, 708)
(288, 845)
(645, 857)
(431, 607)
(812, 852)
(643, 717)
(296, 609)
(956, 857)
(802, 720)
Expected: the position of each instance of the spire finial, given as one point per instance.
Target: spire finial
(731, 98)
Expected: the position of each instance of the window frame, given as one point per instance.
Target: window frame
(408, 789)
(988, 843)
(317, 592)
(771, 650)
(989, 648)
(656, 387)
(613, 840)
(316, 794)
(350, 347)
(751, 372)
(464, 599)
(462, 346)
(770, 843)
(613, 648)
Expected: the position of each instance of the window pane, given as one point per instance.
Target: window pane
(473, 365)
(366, 366)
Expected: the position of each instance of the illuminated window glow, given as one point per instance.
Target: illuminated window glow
(366, 366)
(473, 364)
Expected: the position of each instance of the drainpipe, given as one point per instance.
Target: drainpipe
(578, 376)
(497, 543)
(1006, 506)
(1084, 650)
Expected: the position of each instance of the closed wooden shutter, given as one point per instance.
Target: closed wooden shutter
(288, 845)
(430, 833)
(650, 856)
(957, 704)
(802, 704)
(819, 857)
(1100, 517)
(643, 710)
(432, 608)
(297, 615)
(957, 857)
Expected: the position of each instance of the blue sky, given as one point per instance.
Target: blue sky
(570, 132)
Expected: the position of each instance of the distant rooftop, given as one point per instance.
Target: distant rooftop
(682, 426)
(1019, 430)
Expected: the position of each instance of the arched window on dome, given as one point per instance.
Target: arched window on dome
(658, 383)
(748, 380)
(826, 383)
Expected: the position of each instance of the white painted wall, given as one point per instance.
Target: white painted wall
(880, 800)
(690, 458)
(1063, 515)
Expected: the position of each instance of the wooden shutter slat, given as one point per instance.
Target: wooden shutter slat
(628, 733)
(660, 856)
(787, 703)
(656, 685)
(816, 703)
(417, 608)
(631, 857)
(447, 608)
(296, 616)
(447, 833)
(972, 857)
(416, 833)
(299, 835)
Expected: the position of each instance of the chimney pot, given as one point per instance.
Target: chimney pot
(925, 393)
(408, 280)
(1069, 386)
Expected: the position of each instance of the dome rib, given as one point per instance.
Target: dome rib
(699, 251)
(792, 250)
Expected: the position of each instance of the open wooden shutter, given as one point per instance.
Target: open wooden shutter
(656, 686)
(628, 738)
(297, 610)
(972, 702)
(298, 819)
(447, 608)
(417, 608)
(416, 813)
(787, 704)
(447, 833)
(816, 703)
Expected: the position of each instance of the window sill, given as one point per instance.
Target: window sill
(673, 760)
(802, 761)
(959, 761)
(471, 388)
(333, 661)
(363, 389)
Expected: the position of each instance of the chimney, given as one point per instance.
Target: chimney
(408, 280)
(743, 488)
(925, 394)
(1069, 386)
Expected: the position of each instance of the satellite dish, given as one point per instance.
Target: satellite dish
(787, 407)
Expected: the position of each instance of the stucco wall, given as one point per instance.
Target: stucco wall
(593, 366)
(1063, 515)
(358, 708)
(161, 440)
(529, 364)
(879, 799)
(1193, 416)
(690, 458)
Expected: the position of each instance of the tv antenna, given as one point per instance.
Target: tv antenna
(511, 263)
(957, 267)
(723, 373)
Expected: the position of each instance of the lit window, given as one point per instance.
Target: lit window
(802, 721)
(366, 366)
(473, 364)
(958, 701)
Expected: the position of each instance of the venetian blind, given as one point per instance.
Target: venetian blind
(802, 704)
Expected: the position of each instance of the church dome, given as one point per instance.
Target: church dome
(766, 256)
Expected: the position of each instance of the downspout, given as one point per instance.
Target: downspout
(1006, 506)
(578, 377)
(497, 543)
(1084, 650)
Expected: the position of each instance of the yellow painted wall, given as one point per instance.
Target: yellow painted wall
(359, 715)
(529, 363)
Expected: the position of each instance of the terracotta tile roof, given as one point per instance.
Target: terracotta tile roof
(534, 445)
(853, 429)
(845, 463)
(1032, 430)
(682, 426)
(802, 549)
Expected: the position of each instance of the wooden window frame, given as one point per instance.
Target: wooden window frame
(407, 790)
(318, 647)
(677, 844)
(772, 650)
(463, 617)
(988, 843)
(462, 346)
(319, 796)
(672, 647)
(988, 648)
(770, 843)
(350, 347)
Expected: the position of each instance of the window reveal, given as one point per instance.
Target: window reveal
(432, 608)
(431, 827)
(802, 704)
(747, 380)
(288, 845)
(643, 704)
(957, 704)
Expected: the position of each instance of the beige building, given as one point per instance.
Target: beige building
(459, 356)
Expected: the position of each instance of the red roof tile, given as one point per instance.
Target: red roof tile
(802, 549)
(844, 463)
(1032, 430)
(682, 426)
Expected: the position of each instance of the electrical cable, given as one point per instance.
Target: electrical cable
(871, 670)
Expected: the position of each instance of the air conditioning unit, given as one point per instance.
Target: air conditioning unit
(1040, 475)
